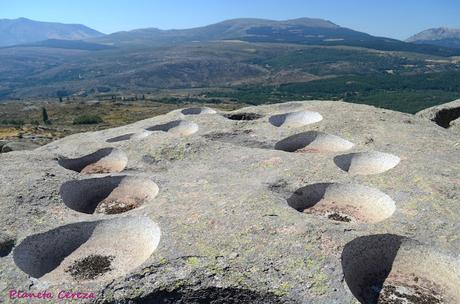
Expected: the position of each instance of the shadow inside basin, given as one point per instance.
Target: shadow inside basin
(366, 263)
(85, 195)
(120, 138)
(243, 116)
(308, 196)
(165, 127)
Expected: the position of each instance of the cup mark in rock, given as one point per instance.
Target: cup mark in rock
(81, 251)
(243, 116)
(106, 160)
(343, 202)
(366, 163)
(313, 141)
(388, 268)
(178, 127)
(444, 117)
(129, 136)
(108, 195)
(198, 111)
(120, 138)
(295, 119)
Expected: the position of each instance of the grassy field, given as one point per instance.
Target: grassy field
(24, 120)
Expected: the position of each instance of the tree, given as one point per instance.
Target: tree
(45, 116)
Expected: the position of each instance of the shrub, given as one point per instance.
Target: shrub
(87, 120)
(12, 122)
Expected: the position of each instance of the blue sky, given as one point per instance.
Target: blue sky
(391, 18)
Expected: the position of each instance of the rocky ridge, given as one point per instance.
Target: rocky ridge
(301, 202)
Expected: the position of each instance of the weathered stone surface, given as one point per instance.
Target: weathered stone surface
(18, 146)
(445, 115)
(2, 143)
(228, 231)
(455, 125)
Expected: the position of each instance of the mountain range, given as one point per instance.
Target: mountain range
(307, 31)
(300, 58)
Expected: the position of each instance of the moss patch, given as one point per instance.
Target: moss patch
(90, 267)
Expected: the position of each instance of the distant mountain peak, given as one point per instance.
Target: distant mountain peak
(441, 36)
(23, 30)
(436, 34)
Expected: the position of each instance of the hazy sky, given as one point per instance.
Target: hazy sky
(391, 18)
